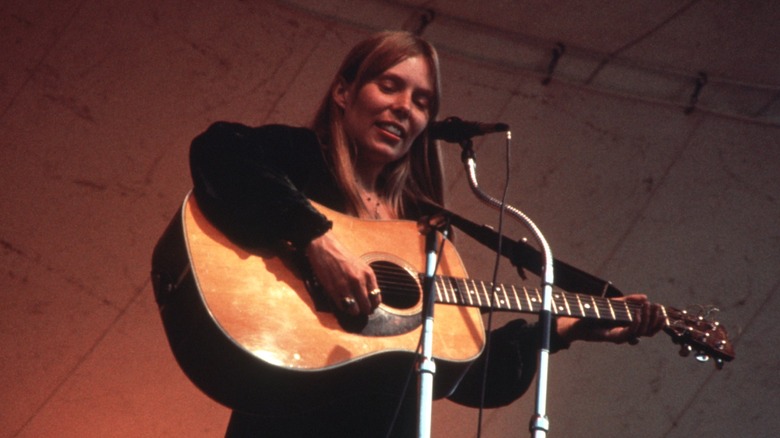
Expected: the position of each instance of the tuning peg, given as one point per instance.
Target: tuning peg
(710, 311)
(685, 350)
(702, 357)
(719, 363)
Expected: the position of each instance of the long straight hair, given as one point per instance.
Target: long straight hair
(415, 178)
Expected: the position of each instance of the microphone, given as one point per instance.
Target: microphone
(455, 130)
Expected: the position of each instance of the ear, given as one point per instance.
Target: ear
(341, 93)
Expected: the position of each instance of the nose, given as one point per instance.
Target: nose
(402, 105)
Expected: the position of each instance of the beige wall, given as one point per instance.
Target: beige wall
(98, 103)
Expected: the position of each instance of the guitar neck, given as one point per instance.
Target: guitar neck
(475, 293)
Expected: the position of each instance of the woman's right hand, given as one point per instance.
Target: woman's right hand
(347, 280)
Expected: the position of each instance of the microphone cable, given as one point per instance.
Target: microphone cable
(494, 281)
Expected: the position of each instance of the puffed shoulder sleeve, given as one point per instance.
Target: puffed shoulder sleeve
(248, 182)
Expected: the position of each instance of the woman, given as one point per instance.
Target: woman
(368, 156)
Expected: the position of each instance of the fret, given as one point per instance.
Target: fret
(445, 295)
(445, 286)
(490, 295)
(457, 290)
(495, 301)
(487, 295)
(528, 298)
(507, 300)
(470, 293)
(506, 297)
(537, 299)
(517, 299)
(462, 293)
(566, 302)
(611, 309)
(451, 291)
(588, 308)
(473, 292)
(558, 308)
(498, 302)
(595, 306)
(579, 303)
(438, 284)
(456, 293)
(465, 294)
(457, 285)
(629, 313)
(666, 316)
(483, 294)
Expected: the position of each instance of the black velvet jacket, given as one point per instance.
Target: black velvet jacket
(254, 184)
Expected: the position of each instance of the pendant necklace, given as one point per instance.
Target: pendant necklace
(369, 201)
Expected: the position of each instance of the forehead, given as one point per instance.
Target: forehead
(415, 71)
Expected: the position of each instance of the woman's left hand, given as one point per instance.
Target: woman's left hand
(648, 320)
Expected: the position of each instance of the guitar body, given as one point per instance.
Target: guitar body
(250, 332)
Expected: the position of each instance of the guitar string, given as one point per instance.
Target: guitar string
(401, 283)
(397, 278)
(404, 285)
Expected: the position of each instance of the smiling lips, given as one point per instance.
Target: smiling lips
(392, 128)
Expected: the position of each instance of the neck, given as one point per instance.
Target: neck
(366, 180)
(374, 202)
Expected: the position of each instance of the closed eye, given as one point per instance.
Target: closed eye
(388, 85)
(423, 101)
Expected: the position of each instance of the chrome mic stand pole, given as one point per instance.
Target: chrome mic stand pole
(426, 367)
(539, 422)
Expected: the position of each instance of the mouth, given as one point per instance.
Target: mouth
(393, 129)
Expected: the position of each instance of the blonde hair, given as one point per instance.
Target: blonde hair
(416, 177)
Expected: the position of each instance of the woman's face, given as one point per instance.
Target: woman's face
(385, 116)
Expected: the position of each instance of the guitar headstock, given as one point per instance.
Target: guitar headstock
(695, 332)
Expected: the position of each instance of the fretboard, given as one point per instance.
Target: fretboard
(474, 293)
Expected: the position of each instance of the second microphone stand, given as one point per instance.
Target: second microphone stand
(540, 424)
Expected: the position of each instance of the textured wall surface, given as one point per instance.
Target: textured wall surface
(98, 104)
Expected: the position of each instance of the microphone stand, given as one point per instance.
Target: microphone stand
(539, 422)
(426, 367)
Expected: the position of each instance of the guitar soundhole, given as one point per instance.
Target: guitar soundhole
(400, 288)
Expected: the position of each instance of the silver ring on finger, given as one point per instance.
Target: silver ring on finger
(348, 302)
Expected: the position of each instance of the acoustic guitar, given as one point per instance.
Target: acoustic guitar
(251, 329)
